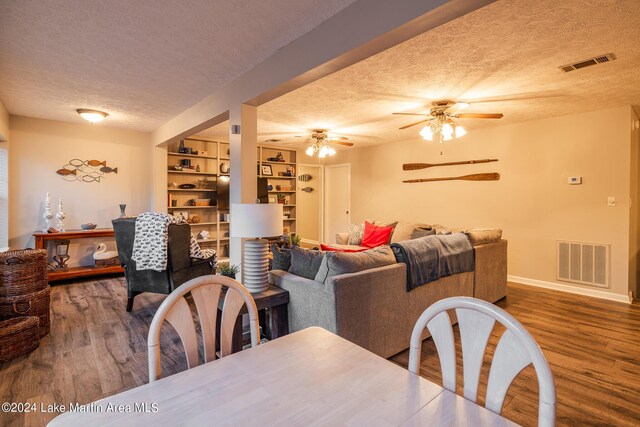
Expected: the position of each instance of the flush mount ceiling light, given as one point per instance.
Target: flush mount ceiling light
(320, 144)
(440, 124)
(93, 116)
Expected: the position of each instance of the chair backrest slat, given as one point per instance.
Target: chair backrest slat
(230, 310)
(182, 321)
(206, 291)
(440, 329)
(475, 330)
(206, 301)
(515, 351)
(509, 359)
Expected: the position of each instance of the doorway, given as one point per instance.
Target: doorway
(337, 200)
(310, 203)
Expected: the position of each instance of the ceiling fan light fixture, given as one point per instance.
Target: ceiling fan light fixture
(460, 131)
(310, 151)
(93, 116)
(427, 133)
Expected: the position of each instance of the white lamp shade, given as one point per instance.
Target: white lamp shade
(256, 220)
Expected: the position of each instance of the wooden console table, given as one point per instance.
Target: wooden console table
(72, 272)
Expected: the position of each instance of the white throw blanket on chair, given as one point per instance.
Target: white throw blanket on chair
(151, 241)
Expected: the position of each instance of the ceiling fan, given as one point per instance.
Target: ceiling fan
(321, 143)
(439, 121)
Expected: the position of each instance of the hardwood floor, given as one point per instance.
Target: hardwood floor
(96, 349)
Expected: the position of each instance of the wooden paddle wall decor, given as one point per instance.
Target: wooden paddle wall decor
(493, 176)
(416, 166)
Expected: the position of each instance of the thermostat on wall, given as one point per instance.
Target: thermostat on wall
(575, 180)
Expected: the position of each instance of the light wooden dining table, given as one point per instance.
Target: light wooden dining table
(308, 378)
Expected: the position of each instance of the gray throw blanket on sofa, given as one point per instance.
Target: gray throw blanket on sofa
(432, 257)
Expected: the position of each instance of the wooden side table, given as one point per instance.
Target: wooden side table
(272, 311)
(72, 272)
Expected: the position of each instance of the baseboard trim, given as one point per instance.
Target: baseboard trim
(570, 289)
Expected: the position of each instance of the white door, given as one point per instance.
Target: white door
(337, 217)
(309, 207)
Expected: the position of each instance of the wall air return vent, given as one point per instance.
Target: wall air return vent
(584, 263)
(588, 62)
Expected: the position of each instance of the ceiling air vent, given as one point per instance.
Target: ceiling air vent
(588, 62)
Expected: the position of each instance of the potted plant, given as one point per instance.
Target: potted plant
(229, 270)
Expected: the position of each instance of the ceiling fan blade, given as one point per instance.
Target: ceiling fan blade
(346, 144)
(411, 114)
(414, 124)
(455, 108)
(479, 116)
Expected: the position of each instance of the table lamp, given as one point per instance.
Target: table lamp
(255, 221)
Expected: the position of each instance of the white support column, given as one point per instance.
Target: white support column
(244, 157)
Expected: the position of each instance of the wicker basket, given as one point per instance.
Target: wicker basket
(18, 336)
(23, 272)
(32, 304)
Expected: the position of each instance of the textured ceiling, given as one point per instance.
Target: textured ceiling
(508, 52)
(143, 62)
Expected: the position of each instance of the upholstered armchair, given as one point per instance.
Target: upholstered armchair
(180, 267)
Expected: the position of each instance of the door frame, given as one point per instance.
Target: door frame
(321, 180)
(326, 193)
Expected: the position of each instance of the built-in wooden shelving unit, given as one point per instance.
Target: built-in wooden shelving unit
(276, 181)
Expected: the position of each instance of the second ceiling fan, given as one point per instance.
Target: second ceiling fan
(439, 123)
(320, 143)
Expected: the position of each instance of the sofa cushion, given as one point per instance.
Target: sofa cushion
(482, 236)
(441, 229)
(355, 234)
(422, 231)
(393, 224)
(375, 236)
(281, 258)
(305, 262)
(337, 263)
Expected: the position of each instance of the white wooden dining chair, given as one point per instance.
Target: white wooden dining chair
(206, 291)
(515, 351)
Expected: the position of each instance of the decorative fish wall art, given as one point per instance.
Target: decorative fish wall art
(305, 177)
(307, 189)
(85, 170)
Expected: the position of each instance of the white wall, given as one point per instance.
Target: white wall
(532, 202)
(4, 176)
(41, 147)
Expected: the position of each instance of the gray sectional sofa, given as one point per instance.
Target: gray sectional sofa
(372, 307)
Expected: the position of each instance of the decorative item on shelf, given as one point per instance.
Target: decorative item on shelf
(228, 270)
(290, 239)
(173, 184)
(195, 219)
(285, 188)
(287, 200)
(307, 189)
(123, 214)
(202, 183)
(416, 166)
(197, 168)
(224, 167)
(103, 257)
(185, 163)
(226, 234)
(493, 176)
(181, 215)
(62, 254)
(266, 170)
(278, 187)
(305, 177)
(256, 221)
(173, 203)
(88, 226)
(225, 250)
(60, 216)
(190, 202)
(285, 216)
(279, 157)
(47, 215)
(270, 187)
(281, 198)
(176, 168)
(85, 170)
(187, 186)
(181, 147)
(272, 199)
(204, 234)
(203, 202)
(272, 159)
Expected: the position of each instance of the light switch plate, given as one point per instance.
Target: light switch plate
(575, 180)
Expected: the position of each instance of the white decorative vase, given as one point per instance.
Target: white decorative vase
(47, 215)
(60, 216)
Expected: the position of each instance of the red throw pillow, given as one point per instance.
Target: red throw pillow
(375, 236)
(328, 248)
